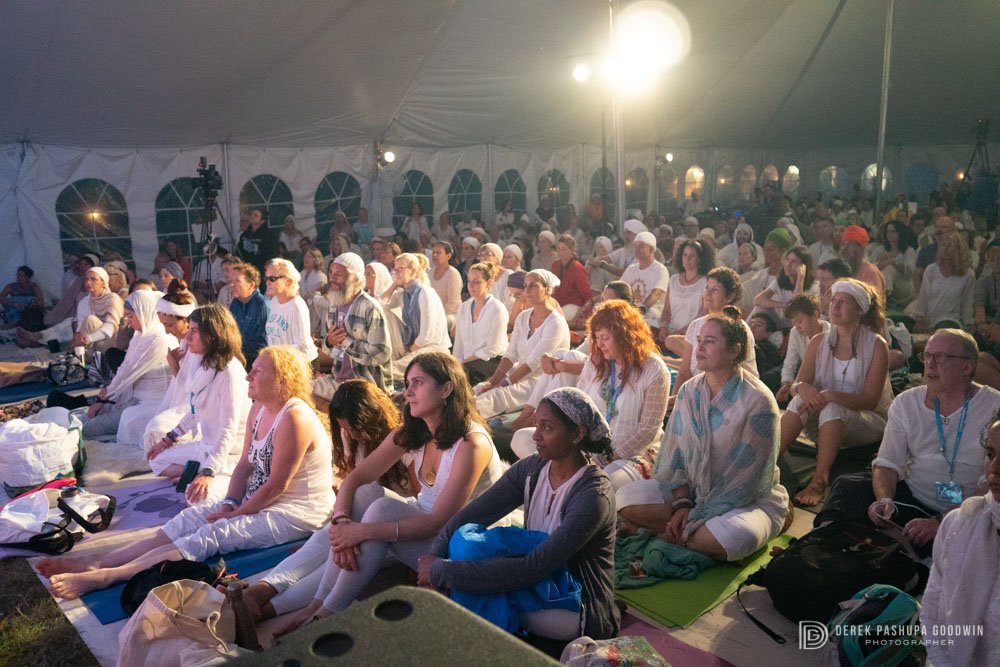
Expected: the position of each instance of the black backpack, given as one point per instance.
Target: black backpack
(164, 572)
(809, 579)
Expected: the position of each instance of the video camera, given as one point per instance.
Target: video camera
(209, 181)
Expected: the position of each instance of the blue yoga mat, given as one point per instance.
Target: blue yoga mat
(22, 392)
(106, 604)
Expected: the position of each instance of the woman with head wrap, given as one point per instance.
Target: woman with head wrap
(545, 252)
(170, 272)
(841, 392)
(568, 505)
(598, 277)
(538, 330)
(97, 317)
(131, 399)
(715, 489)
(378, 280)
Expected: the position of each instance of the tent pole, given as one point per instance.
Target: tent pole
(492, 185)
(229, 191)
(616, 121)
(880, 154)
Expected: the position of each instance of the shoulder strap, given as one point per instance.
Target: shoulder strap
(770, 633)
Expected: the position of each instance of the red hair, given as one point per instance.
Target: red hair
(630, 332)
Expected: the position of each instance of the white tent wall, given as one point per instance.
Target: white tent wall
(32, 176)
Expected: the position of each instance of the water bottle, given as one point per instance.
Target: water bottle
(78, 352)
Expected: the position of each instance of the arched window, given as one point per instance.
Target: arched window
(603, 183)
(511, 186)
(694, 181)
(769, 175)
(180, 210)
(465, 194)
(834, 180)
(554, 183)
(667, 185)
(748, 181)
(725, 185)
(790, 183)
(869, 176)
(338, 191)
(417, 189)
(637, 190)
(922, 179)
(93, 217)
(271, 194)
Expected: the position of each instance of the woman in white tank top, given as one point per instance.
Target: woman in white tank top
(447, 447)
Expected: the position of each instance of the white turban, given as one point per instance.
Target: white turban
(516, 250)
(471, 240)
(647, 238)
(493, 249)
(691, 219)
(175, 309)
(352, 262)
(546, 234)
(548, 278)
(604, 241)
(856, 291)
(100, 273)
(634, 226)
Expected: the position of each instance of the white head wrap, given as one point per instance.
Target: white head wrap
(548, 278)
(383, 279)
(692, 220)
(857, 292)
(144, 304)
(516, 249)
(634, 226)
(546, 234)
(494, 250)
(352, 262)
(100, 273)
(175, 309)
(646, 238)
(175, 269)
(604, 241)
(472, 241)
(709, 232)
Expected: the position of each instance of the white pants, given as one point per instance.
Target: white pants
(621, 471)
(505, 399)
(399, 365)
(740, 531)
(375, 504)
(861, 427)
(197, 539)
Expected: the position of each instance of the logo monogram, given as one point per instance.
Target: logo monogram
(812, 635)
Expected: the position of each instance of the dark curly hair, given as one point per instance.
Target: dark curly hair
(458, 413)
(706, 256)
(786, 282)
(373, 415)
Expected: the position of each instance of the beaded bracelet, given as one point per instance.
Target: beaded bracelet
(682, 503)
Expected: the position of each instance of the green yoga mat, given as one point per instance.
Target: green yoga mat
(678, 603)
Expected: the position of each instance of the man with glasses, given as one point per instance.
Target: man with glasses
(930, 459)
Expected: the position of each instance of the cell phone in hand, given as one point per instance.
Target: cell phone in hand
(190, 470)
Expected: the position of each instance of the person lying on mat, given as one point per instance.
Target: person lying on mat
(212, 428)
(132, 396)
(361, 416)
(448, 449)
(715, 489)
(281, 490)
(565, 495)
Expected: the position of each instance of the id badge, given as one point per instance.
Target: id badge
(949, 492)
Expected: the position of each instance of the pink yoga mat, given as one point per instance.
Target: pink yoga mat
(676, 652)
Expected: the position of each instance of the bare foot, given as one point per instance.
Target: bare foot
(50, 566)
(74, 584)
(813, 494)
(315, 609)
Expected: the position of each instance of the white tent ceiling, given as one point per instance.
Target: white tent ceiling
(439, 73)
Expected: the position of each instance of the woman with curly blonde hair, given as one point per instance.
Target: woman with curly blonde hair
(281, 489)
(947, 288)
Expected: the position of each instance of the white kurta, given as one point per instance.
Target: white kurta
(485, 338)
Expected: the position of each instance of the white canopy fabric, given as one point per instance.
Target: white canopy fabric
(438, 73)
(133, 93)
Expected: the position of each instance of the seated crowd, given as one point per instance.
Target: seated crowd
(653, 382)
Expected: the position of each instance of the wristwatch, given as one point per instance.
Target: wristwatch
(207, 472)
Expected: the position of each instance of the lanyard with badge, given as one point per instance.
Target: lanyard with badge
(949, 491)
(612, 399)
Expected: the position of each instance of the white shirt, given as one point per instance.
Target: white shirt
(448, 287)
(943, 298)
(485, 338)
(911, 446)
(288, 324)
(643, 281)
(553, 334)
(821, 253)
(685, 301)
(797, 344)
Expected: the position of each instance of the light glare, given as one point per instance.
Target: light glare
(581, 72)
(389, 156)
(650, 36)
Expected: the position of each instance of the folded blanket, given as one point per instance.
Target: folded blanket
(645, 559)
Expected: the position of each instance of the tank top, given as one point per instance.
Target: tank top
(312, 484)
(428, 494)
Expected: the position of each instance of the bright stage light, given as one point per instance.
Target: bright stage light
(650, 36)
(389, 156)
(670, 157)
(581, 72)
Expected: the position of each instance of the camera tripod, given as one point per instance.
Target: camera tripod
(212, 212)
(986, 186)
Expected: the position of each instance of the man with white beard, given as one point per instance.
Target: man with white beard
(357, 334)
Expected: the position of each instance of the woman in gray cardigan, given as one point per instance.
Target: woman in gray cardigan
(565, 495)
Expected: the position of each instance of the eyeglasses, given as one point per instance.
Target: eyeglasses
(274, 279)
(938, 357)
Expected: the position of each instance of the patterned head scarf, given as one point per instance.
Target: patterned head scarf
(581, 410)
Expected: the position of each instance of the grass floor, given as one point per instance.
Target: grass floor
(33, 630)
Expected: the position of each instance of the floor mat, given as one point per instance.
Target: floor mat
(22, 392)
(676, 652)
(679, 603)
(105, 604)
